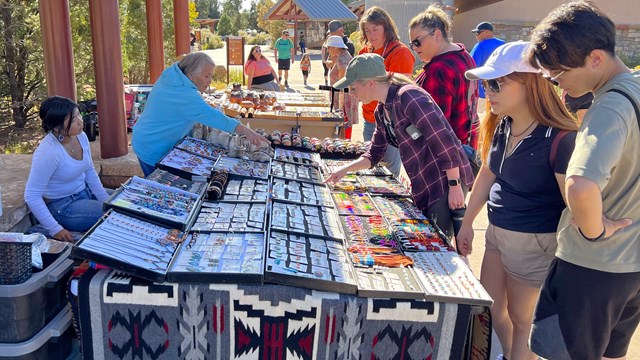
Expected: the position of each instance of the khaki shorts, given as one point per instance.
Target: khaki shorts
(525, 256)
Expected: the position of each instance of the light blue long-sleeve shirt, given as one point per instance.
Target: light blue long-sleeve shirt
(174, 106)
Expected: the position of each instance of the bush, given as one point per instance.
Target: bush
(631, 61)
(255, 38)
(209, 40)
(355, 37)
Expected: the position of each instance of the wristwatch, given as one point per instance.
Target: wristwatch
(454, 182)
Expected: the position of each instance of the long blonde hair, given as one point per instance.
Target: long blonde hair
(544, 104)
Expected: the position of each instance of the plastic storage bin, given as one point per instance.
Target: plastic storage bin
(53, 342)
(26, 308)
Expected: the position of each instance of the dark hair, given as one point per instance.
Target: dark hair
(433, 18)
(54, 111)
(377, 16)
(570, 32)
(251, 57)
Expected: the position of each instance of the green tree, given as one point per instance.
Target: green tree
(22, 85)
(208, 9)
(272, 27)
(231, 9)
(224, 26)
(253, 15)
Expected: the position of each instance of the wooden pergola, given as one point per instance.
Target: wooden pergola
(107, 58)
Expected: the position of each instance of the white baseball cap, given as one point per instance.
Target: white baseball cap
(336, 41)
(504, 60)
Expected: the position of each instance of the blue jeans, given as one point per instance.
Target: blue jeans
(391, 156)
(146, 168)
(77, 212)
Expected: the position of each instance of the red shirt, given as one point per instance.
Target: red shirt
(443, 78)
(398, 58)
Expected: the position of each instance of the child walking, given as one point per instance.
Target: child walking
(305, 66)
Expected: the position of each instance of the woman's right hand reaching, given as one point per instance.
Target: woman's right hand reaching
(464, 239)
(64, 235)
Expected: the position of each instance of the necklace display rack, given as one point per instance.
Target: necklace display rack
(386, 186)
(155, 201)
(355, 204)
(185, 164)
(297, 157)
(231, 216)
(446, 277)
(299, 192)
(201, 147)
(301, 219)
(131, 244)
(220, 257)
(394, 209)
(297, 172)
(246, 190)
(166, 178)
(330, 166)
(420, 235)
(242, 167)
(310, 262)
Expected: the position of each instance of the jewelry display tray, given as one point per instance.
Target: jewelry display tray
(182, 225)
(405, 277)
(183, 267)
(330, 166)
(279, 269)
(330, 229)
(400, 227)
(447, 278)
(360, 204)
(299, 157)
(290, 171)
(183, 172)
(243, 189)
(384, 186)
(211, 206)
(166, 178)
(301, 192)
(115, 261)
(244, 168)
(201, 147)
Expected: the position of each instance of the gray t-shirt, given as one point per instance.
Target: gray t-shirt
(606, 152)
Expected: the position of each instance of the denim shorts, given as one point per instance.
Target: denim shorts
(77, 212)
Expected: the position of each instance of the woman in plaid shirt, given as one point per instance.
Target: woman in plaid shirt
(407, 118)
(443, 74)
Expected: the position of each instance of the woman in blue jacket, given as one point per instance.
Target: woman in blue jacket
(174, 106)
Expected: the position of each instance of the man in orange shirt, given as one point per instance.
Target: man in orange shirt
(379, 35)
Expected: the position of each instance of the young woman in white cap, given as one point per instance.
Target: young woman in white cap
(526, 142)
(339, 58)
(407, 117)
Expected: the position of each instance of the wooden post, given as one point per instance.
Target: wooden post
(181, 25)
(155, 39)
(107, 59)
(58, 49)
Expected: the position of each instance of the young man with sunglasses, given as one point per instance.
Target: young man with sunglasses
(481, 51)
(589, 304)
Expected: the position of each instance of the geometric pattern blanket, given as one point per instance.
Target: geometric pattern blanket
(124, 317)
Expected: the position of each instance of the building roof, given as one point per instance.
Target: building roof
(325, 10)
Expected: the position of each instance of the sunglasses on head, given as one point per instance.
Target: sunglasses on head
(493, 85)
(258, 50)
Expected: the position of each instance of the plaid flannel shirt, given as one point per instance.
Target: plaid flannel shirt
(443, 78)
(426, 158)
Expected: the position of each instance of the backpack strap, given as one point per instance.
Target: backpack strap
(554, 147)
(633, 103)
(384, 56)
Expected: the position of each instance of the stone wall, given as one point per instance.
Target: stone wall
(627, 37)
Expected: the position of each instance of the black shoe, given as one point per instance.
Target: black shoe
(286, 83)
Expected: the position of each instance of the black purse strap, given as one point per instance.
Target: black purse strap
(633, 103)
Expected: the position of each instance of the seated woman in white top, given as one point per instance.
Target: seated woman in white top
(63, 190)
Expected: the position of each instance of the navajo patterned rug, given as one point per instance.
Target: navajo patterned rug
(123, 317)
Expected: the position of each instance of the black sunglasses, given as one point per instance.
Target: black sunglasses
(258, 50)
(416, 43)
(493, 85)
